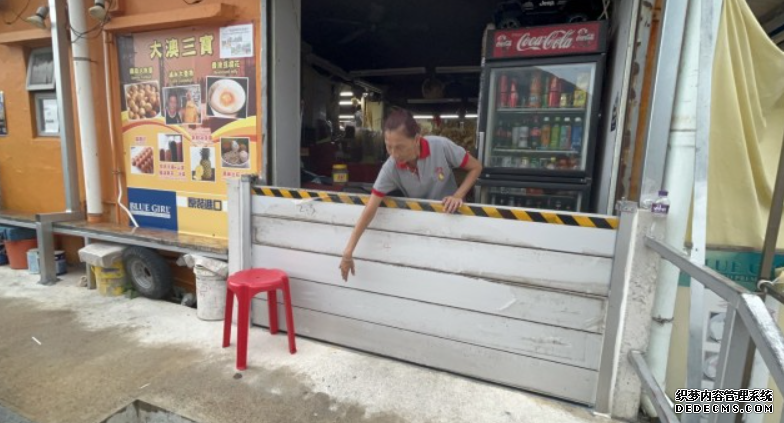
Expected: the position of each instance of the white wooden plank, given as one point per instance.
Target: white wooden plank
(533, 304)
(545, 377)
(568, 346)
(581, 240)
(556, 270)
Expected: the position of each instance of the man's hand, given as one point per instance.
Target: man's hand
(346, 264)
(452, 203)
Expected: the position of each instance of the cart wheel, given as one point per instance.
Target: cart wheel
(148, 271)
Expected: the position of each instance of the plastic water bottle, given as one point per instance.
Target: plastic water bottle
(659, 209)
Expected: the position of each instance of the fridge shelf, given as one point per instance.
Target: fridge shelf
(538, 111)
(546, 152)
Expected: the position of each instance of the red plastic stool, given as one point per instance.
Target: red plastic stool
(245, 285)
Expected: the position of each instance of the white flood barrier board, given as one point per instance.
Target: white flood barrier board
(518, 303)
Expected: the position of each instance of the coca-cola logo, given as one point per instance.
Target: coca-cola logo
(585, 36)
(556, 40)
(503, 42)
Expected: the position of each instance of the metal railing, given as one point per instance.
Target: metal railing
(747, 323)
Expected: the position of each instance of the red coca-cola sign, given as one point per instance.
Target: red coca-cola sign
(560, 40)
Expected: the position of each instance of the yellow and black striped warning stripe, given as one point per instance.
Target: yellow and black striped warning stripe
(466, 210)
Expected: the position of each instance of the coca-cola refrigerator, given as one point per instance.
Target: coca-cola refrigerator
(539, 115)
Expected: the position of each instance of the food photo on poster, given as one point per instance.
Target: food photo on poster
(142, 160)
(203, 164)
(143, 100)
(235, 153)
(183, 105)
(227, 97)
(170, 148)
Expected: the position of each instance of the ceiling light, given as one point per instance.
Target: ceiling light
(423, 116)
(474, 116)
(346, 117)
(99, 10)
(39, 17)
(450, 116)
(346, 94)
(345, 103)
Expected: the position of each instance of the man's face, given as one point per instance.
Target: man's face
(172, 104)
(402, 148)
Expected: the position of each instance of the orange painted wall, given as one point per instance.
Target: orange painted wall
(30, 168)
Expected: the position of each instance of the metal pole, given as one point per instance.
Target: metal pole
(84, 104)
(665, 82)
(774, 223)
(62, 78)
(266, 66)
(699, 220)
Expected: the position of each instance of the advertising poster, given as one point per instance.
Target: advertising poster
(188, 103)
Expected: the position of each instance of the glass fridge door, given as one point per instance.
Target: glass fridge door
(539, 117)
(563, 199)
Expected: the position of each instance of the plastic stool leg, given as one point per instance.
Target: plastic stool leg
(243, 321)
(289, 318)
(227, 317)
(272, 306)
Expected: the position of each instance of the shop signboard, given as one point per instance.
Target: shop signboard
(558, 40)
(189, 123)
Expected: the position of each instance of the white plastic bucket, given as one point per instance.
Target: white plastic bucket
(210, 295)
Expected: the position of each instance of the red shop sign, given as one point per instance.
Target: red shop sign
(560, 40)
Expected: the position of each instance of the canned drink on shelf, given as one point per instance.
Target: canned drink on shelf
(565, 101)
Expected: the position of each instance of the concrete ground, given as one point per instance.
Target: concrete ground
(69, 355)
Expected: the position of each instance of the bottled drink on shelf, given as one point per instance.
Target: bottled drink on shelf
(566, 134)
(555, 134)
(545, 138)
(508, 136)
(513, 97)
(535, 96)
(546, 89)
(581, 91)
(498, 138)
(523, 140)
(551, 164)
(536, 134)
(554, 98)
(503, 91)
(577, 135)
(525, 162)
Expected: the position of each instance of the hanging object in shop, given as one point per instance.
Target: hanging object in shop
(188, 114)
(516, 13)
(39, 18)
(3, 121)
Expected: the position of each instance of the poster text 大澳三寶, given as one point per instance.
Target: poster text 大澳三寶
(188, 103)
